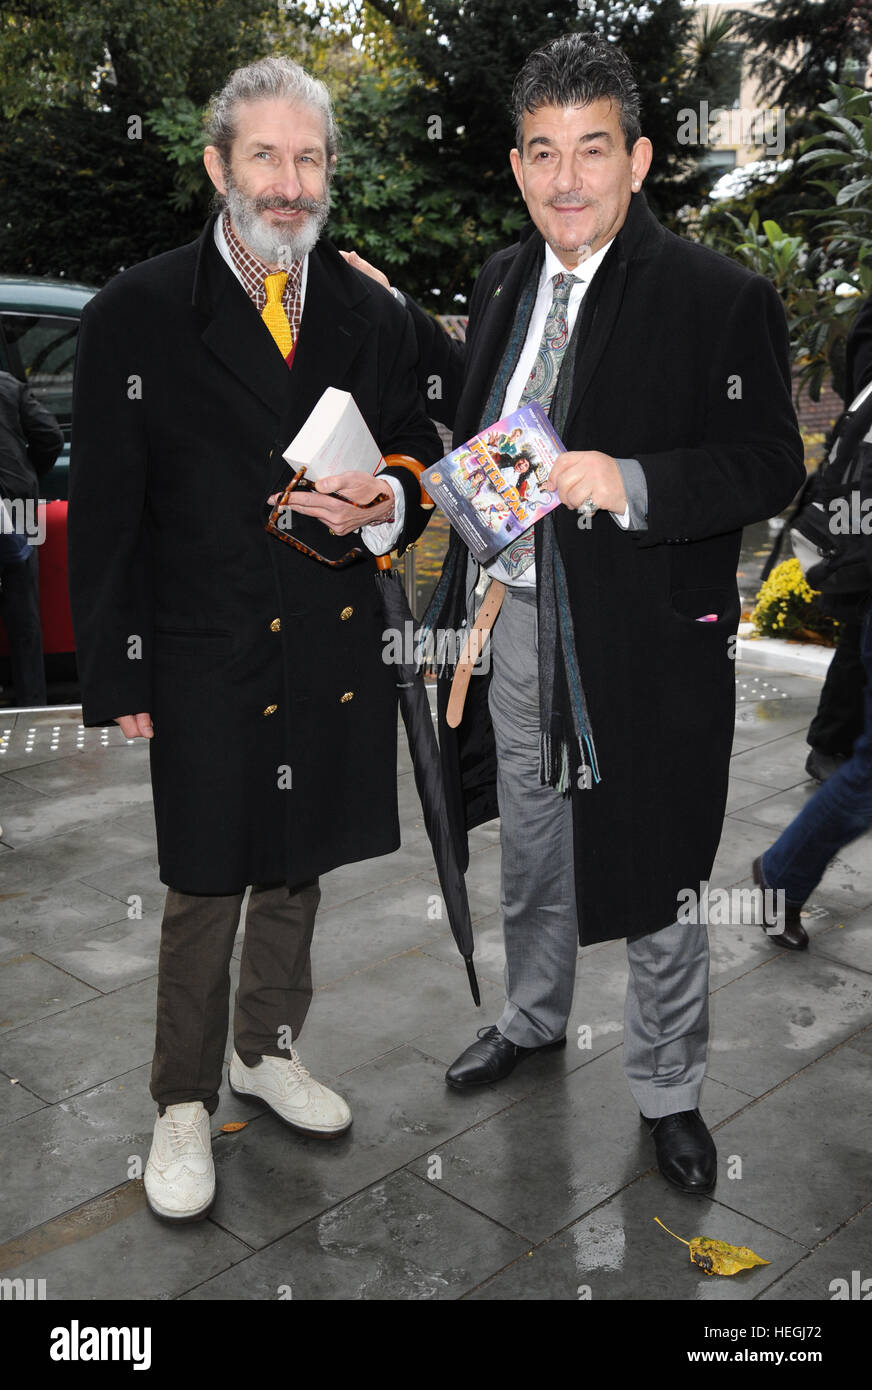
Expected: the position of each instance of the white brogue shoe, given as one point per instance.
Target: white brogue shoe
(180, 1174)
(286, 1087)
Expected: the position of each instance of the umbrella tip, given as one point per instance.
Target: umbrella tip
(473, 982)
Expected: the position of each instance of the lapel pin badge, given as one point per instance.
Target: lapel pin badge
(497, 290)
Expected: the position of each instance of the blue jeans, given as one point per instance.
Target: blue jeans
(837, 814)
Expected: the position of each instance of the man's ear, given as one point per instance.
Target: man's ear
(640, 162)
(215, 167)
(517, 169)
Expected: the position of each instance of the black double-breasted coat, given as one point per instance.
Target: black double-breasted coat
(274, 749)
(682, 364)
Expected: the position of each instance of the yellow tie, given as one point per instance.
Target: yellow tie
(274, 315)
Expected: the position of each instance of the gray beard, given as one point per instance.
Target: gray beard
(274, 247)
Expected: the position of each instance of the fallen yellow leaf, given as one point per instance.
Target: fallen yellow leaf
(716, 1256)
(233, 1126)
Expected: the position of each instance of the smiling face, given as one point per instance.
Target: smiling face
(276, 182)
(576, 176)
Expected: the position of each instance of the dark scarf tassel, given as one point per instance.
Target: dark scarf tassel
(555, 629)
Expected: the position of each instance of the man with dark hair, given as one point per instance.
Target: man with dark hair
(253, 666)
(602, 737)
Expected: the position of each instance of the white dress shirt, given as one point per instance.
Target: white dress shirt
(584, 273)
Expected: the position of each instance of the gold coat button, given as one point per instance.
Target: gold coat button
(346, 614)
(270, 709)
(275, 625)
(349, 695)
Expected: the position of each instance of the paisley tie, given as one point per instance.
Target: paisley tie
(518, 555)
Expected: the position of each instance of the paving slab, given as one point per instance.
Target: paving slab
(489, 956)
(66, 1053)
(618, 1252)
(805, 1149)
(375, 1010)
(839, 1269)
(375, 927)
(67, 1154)
(135, 876)
(79, 854)
(401, 1239)
(778, 764)
(32, 989)
(112, 956)
(848, 939)
(562, 1150)
(271, 1180)
(773, 1022)
(744, 793)
(112, 1248)
(32, 919)
(16, 1100)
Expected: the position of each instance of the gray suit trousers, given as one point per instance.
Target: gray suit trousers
(666, 1014)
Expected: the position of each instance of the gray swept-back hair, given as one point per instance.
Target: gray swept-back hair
(269, 79)
(575, 70)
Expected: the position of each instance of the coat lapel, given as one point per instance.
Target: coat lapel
(485, 360)
(233, 331)
(332, 334)
(606, 295)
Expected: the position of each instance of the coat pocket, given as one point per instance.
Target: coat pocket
(710, 608)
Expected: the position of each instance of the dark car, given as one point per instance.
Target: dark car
(39, 324)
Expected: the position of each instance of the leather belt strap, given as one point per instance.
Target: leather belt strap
(472, 650)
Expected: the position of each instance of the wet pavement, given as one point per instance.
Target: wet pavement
(542, 1187)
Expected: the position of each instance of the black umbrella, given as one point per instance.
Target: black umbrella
(415, 707)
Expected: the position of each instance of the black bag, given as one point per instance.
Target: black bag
(830, 533)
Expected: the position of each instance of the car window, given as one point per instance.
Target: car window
(41, 350)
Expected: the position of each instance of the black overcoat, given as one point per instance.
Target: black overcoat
(274, 751)
(683, 365)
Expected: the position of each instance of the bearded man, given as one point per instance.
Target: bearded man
(253, 668)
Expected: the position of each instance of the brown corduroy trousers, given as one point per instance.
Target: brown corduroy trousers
(193, 989)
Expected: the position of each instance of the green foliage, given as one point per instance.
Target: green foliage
(844, 148)
(818, 319)
(423, 186)
(386, 203)
(455, 63)
(796, 48)
(831, 246)
(178, 124)
(127, 54)
(81, 199)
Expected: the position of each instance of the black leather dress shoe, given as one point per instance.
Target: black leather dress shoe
(794, 937)
(490, 1058)
(686, 1153)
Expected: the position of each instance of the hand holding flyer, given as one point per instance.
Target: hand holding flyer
(492, 488)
